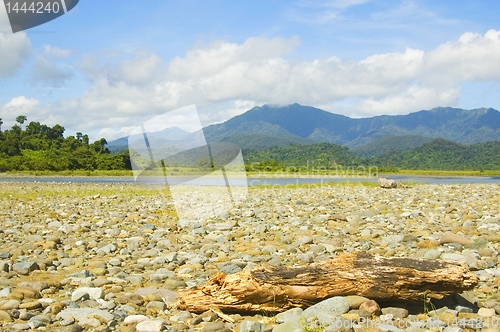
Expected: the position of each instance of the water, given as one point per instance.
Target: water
(271, 181)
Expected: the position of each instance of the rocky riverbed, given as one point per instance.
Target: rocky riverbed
(110, 257)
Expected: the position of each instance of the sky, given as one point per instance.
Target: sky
(107, 66)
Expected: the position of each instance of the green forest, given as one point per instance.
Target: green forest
(38, 147)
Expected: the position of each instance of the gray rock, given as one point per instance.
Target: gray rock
(156, 305)
(230, 269)
(463, 309)
(334, 306)
(25, 268)
(35, 323)
(432, 254)
(73, 328)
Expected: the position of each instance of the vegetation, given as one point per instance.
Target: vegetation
(391, 143)
(320, 155)
(39, 147)
(441, 154)
(42, 150)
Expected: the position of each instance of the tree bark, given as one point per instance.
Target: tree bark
(276, 289)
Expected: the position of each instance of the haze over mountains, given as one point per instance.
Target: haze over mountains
(270, 125)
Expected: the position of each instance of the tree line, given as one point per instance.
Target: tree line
(38, 147)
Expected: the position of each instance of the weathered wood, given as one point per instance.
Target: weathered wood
(276, 289)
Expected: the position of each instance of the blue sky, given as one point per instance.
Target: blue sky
(108, 66)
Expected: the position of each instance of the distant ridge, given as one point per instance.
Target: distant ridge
(297, 124)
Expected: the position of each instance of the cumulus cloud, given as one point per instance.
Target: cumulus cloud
(14, 48)
(473, 58)
(228, 79)
(19, 106)
(14, 51)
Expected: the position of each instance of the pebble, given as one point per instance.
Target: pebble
(395, 312)
(450, 237)
(355, 301)
(149, 326)
(25, 268)
(370, 306)
(134, 319)
(4, 316)
(334, 306)
(130, 252)
(486, 312)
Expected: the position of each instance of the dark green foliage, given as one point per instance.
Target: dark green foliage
(391, 143)
(441, 154)
(260, 141)
(323, 154)
(42, 148)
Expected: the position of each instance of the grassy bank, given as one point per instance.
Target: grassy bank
(446, 173)
(266, 174)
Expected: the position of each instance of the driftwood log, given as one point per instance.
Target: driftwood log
(276, 289)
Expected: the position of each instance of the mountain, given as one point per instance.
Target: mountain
(391, 143)
(270, 125)
(464, 126)
(166, 138)
(442, 154)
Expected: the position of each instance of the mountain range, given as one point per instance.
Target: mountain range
(270, 125)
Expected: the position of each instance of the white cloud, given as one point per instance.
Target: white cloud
(19, 106)
(228, 79)
(49, 69)
(14, 51)
(412, 99)
(14, 48)
(473, 58)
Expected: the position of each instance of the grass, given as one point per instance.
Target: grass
(447, 173)
(48, 189)
(179, 171)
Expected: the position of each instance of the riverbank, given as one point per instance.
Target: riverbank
(354, 172)
(127, 246)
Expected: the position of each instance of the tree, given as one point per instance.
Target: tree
(1, 123)
(21, 118)
(79, 136)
